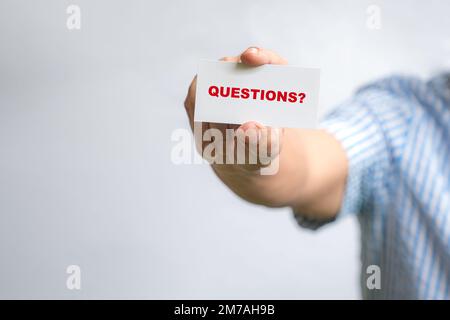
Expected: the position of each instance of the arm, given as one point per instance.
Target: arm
(312, 164)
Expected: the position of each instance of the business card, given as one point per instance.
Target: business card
(273, 95)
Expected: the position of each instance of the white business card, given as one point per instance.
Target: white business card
(273, 95)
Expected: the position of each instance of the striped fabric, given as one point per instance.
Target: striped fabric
(396, 133)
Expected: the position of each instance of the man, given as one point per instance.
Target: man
(382, 155)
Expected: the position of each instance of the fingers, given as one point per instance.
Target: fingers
(254, 56)
(251, 145)
(189, 102)
(261, 143)
(268, 139)
(231, 59)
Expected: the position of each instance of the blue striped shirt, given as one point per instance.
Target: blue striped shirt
(396, 133)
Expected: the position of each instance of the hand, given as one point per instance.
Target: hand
(252, 57)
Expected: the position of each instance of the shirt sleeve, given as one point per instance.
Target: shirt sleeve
(358, 127)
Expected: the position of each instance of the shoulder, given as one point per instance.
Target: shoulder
(394, 102)
(379, 114)
(391, 98)
(402, 100)
(398, 85)
(397, 95)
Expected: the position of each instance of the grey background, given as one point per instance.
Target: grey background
(86, 118)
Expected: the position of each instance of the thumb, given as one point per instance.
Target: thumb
(255, 56)
(267, 144)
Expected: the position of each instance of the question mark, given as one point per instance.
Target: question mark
(301, 96)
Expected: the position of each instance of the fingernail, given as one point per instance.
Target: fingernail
(248, 125)
(253, 50)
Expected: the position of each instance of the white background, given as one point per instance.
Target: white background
(85, 124)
